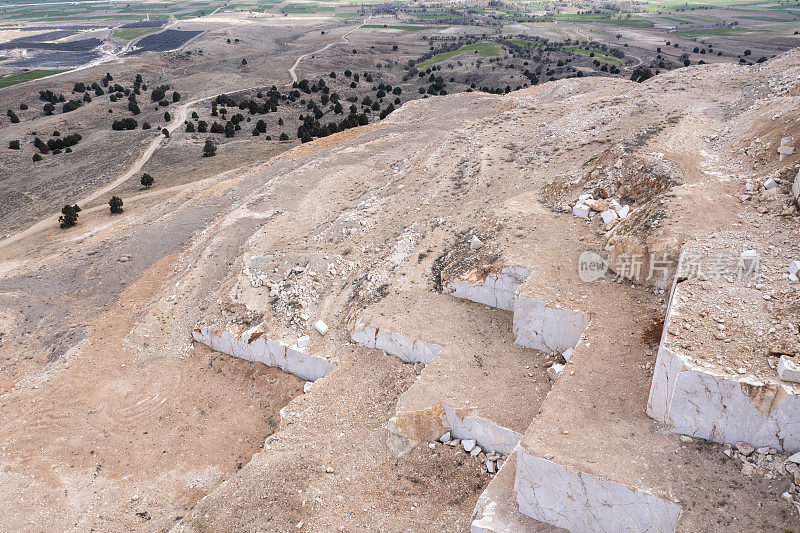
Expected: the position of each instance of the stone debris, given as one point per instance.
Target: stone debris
(554, 371)
(302, 342)
(307, 387)
(769, 463)
(609, 216)
(785, 148)
(490, 461)
(321, 327)
(788, 369)
(610, 209)
(475, 243)
(771, 183)
(794, 268)
(581, 210)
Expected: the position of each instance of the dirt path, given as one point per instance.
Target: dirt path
(343, 39)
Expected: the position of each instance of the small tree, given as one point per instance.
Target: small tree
(167, 116)
(244, 61)
(37, 157)
(209, 150)
(115, 205)
(69, 215)
(283, 137)
(190, 127)
(147, 180)
(14, 145)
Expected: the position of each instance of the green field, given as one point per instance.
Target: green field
(484, 49)
(19, 77)
(306, 7)
(523, 43)
(598, 54)
(407, 27)
(716, 32)
(129, 34)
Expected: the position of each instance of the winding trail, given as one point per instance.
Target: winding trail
(342, 39)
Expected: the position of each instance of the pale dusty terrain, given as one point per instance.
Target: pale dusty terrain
(363, 216)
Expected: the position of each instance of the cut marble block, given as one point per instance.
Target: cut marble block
(545, 328)
(496, 290)
(253, 346)
(581, 502)
(497, 511)
(702, 402)
(408, 349)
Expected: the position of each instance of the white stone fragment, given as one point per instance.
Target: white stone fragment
(788, 369)
(468, 444)
(794, 458)
(581, 210)
(445, 438)
(302, 342)
(475, 243)
(583, 197)
(608, 216)
(321, 327)
(554, 371)
(770, 184)
(796, 188)
(624, 212)
(567, 354)
(794, 267)
(750, 186)
(307, 386)
(477, 450)
(615, 205)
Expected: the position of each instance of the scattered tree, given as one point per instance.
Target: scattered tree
(209, 150)
(115, 205)
(69, 215)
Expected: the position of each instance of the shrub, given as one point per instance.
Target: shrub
(147, 180)
(14, 145)
(209, 150)
(124, 124)
(69, 215)
(115, 205)
(37, 157)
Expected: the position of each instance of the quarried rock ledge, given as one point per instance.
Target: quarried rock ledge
(709, 404)
(253, 346)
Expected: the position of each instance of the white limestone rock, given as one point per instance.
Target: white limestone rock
(475, 243)
(581, 211)
(488, 435)
(770, 184)
(624, 212)
(321, 327)
(581, 502)
(547, 329)
(554, 371)
(496, 290)
(788, 369)
(468, 444)
(609, 216)
(794, 267)
(704, 403)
